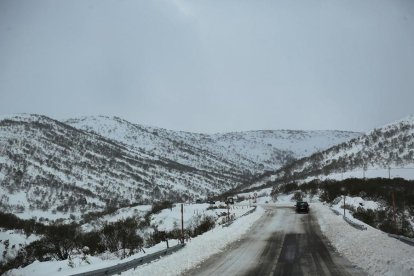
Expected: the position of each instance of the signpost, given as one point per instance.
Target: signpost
(228, 212)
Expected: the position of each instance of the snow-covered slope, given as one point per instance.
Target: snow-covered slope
(274, 148)
(157, 142)
(250, 151)
(11, 241)
(48, 165)
(391, 146)
(55, 169)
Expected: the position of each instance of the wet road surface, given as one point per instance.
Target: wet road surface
(281, 243)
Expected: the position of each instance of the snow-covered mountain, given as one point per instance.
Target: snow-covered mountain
(54, 169)
(251, 151)
(391, 146)
(48, 165)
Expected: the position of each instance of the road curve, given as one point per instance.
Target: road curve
(280, 243)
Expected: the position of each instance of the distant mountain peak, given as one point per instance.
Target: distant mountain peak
(390, 146)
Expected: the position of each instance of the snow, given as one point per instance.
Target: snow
(357, 202)
(196, 250)
(231, 154)
(99, 180)
(16, 241)
(389, 146)
(406, 172)
(122, 213)
(62, 267)
(18, 198)
(168, 219)
(199, 249)
(248, 149)
(38, 214)
(372, 250)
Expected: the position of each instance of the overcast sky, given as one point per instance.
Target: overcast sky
(211, 66)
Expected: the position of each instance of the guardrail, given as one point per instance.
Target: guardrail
(227, 224)
(116, 269)
(336, 212)
(350, 222)
(355, 225)
(249, 212)
(363, 227)
(402, 238)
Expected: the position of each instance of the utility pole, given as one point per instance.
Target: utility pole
(364, 169)
(389, 172)
(343, 190)
(393, 207)
(402, 219)
(182, 223)
(344, 205)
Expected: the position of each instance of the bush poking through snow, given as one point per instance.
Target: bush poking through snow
(297, 196)
(122, 236)
(207, 223)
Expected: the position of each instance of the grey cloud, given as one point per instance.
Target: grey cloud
(211, 66)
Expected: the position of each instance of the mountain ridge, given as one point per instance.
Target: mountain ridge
(69, 168)
(220, 143)
(389, 146)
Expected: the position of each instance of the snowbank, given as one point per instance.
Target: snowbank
(359, 202)
(372, 250)
(80, 265)
(355, 202)
(199, 249)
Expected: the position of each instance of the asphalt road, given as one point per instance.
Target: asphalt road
(281, 243)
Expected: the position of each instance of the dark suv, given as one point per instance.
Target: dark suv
(302, 207)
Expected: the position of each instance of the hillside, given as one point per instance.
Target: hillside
(59, 170)
(48, 168)
(250, 151)
(389, 147)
